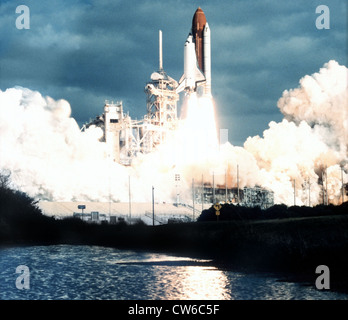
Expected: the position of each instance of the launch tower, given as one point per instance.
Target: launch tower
(126, 137)
(161, 101)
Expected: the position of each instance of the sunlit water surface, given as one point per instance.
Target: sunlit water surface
(91, 272)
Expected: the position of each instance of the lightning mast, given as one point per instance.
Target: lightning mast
(161, 104)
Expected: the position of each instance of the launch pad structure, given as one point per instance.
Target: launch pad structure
(126, 138)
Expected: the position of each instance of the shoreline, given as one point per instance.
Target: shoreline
(292, 247)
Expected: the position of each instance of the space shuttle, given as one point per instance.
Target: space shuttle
(197, 57)
(193, 76)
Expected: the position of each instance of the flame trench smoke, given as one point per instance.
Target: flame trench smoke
(312, 137)
(49, 157)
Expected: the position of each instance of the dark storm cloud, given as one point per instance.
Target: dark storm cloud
(89, 51)
(268, 47)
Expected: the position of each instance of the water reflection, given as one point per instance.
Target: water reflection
(183, 283)
(170, 277)
(201, 283)
(82, 272)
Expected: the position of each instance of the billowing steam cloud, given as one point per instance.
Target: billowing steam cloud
(43, 148)
(51, 159)
(312, 137)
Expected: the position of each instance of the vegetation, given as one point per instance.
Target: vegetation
(20, 219)
(230, 212)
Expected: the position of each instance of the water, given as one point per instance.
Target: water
(91, 272)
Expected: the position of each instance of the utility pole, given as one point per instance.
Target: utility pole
(322, 178)
(153, 206)
(342, 184)
(213, 187)
(193, 199)
(238, 183)
(309, 192)
(327, 194)
(225, 186)
(294, 192)
(202, 194)
(129, 199)
(109, 191)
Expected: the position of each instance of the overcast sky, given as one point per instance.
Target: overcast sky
(89, 51)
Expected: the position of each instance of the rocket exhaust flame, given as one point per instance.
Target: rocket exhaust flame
(198, 128)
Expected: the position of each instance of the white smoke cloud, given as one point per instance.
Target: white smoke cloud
(43, 148)
(312, 136)
(51, 159)
(321, 101)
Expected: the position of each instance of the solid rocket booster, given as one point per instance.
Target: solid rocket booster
(207, 60)
(197, 56)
